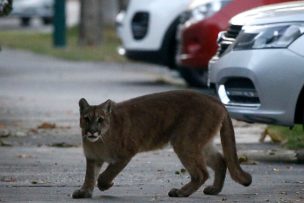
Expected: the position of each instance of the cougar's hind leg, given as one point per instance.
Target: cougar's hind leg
(216, 161)
(194, 162)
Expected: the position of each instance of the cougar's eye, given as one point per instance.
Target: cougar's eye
(100, 119)
(86, 118)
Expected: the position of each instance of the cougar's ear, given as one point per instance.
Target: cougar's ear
(107, 106)
(83, 105)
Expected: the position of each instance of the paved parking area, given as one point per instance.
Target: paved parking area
(38, 89)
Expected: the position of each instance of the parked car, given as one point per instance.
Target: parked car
(260, 76)
(198, 33)
(25, 10)
(147, 30)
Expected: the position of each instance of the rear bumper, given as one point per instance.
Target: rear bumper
(147, 56)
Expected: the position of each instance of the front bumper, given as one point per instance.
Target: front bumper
(148, 56)
(276, 77)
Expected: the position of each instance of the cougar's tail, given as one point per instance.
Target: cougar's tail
(230, 154)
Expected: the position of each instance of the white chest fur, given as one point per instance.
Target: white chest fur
(97, 151)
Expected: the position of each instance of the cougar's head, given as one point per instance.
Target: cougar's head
(94, 120)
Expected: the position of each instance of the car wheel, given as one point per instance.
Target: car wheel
(47, 20)
(25, 21)
(194, 77)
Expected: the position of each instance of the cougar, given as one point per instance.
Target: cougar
(114, 132)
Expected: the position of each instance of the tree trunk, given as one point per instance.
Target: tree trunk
(91, 25)
(122, 4)
(5, 7)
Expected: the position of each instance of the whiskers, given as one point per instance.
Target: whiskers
(101, 138)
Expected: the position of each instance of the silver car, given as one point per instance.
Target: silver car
(25, 10)
(258, 71)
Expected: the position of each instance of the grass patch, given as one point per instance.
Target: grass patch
(42, 43)
(294, 138)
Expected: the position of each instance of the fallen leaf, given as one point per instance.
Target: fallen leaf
(275, 135)
(183, 170)
(4, 133)
(23, 156)
(2, 126)
(272, 153)
(5, 144)
(62, 144)
(243, 158)
(33, 130)
(65, 127)
(8, 179)
(250, 162)
(34, 182)
(20, 134)
(47, 125)
(68, 112)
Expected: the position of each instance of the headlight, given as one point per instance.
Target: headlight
(268, 36)
(119, 18)
(201, 9)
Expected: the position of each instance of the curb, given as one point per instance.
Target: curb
(277, 155)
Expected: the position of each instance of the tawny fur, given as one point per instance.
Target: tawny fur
(187, 120)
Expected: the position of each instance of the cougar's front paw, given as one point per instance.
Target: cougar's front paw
(211, 190)
(177, 193)
(80, 193)
(104, 185)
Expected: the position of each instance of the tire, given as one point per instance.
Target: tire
(299, 109)
(169, 46)
(25, 21)
(47, 20)
(194, 77)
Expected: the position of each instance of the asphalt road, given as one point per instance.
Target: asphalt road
(36, 90)
(52, 174)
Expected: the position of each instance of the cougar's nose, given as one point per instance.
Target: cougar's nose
(92, 131)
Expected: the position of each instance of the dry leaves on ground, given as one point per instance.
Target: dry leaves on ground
(62, 144)
(46, 125)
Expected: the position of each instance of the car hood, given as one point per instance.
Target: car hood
(275, 13)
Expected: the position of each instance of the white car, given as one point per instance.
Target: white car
(260, 76)
(147, 30)
(25, 10)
